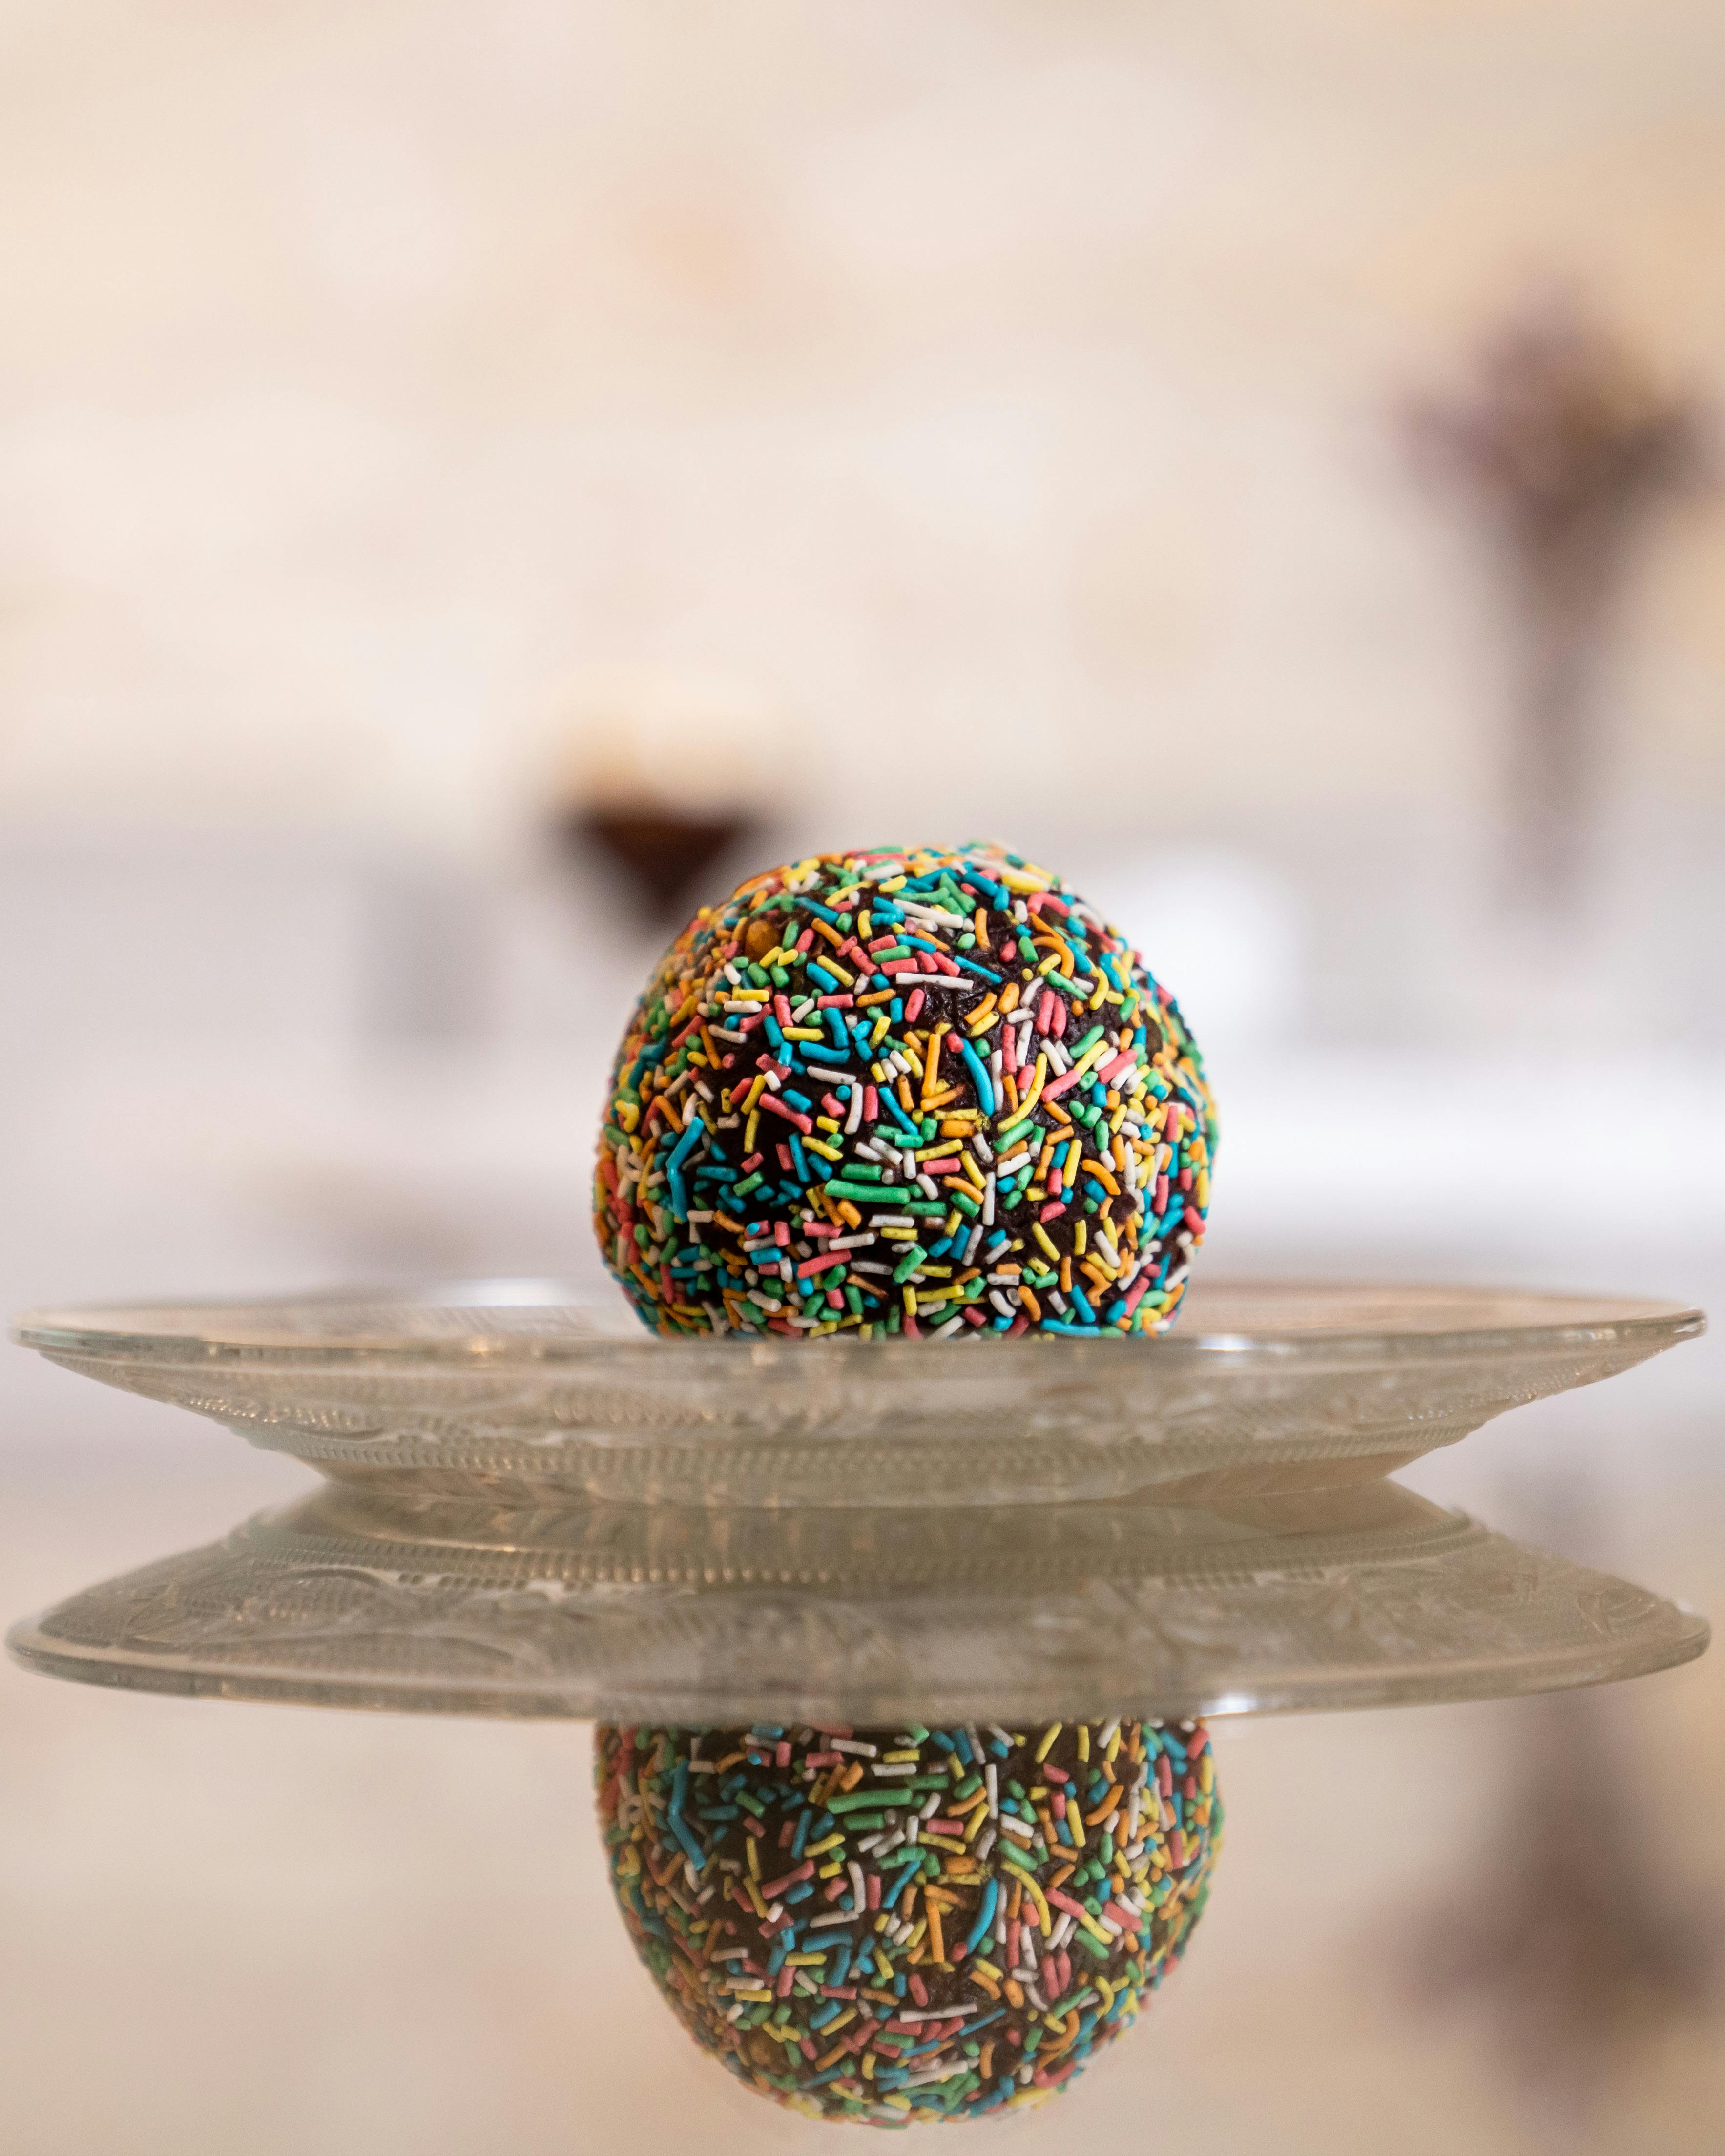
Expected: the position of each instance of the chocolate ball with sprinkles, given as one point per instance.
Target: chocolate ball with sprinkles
(898, 1925)
(913, 1091)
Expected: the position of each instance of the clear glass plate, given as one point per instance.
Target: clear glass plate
(1360, 1595)
(518, 1390)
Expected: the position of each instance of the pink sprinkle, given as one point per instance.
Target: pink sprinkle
(1135, 1292)
(1111, 1069)
(829, 1101)
(947, 1166)
(819, 1264)
(874, 1897)
(825, 1759)
(1053, 1209)
(1020, 1323)
(787, 1978)
(919, 1989)
(912, 1331)
(838, 1991)
(1194, 1220)
(834, 1003)
(771, 1889)
(805, 939)
(834, 1729)
(782, 1108)
(1128, 1920)
(782, 1010)
(780, 1234)
(913, 1007)
(871, 1105)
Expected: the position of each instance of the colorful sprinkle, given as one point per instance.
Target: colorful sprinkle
(891, 1926)
(918, 1091)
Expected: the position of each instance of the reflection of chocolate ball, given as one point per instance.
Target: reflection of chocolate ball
(889, 1925)
(905, 1091)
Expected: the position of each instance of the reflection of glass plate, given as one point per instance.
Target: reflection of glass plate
(1364, 1595)
(514, 1386)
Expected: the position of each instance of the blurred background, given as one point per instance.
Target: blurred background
(475, 481)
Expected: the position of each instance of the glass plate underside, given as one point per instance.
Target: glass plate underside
(1359, 1596)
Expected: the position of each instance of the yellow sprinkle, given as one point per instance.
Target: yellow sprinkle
(754, 1855)
(820, 1848)
(1043, 1749)
(749, 1133)
(1084, 1740)
(1041, 1234)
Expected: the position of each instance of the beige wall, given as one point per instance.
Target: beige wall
(930, 379)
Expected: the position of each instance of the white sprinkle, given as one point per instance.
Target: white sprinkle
(854, 1744)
